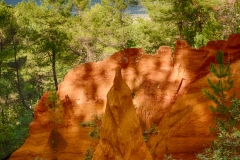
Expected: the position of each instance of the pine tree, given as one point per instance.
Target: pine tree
(226, 111)
(220, 90)
(188, 18)
(102, 30)
(47, 30)
(119, 18)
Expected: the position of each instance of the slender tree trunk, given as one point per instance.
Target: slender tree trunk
(180, 23)
(18, 80)
(199, 21)
(17, 67)
(40, 85)
(2, 110)
(0, 69)
(89, 52)
(123, 33)
(123, 39)
(180, 26)
(54, 69)
(1, 77)
(1, 44)
(2, 113)
(1, 48)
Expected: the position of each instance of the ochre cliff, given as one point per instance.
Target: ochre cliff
(166, 90)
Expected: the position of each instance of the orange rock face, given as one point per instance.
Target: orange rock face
(166, 90)
(121, 134)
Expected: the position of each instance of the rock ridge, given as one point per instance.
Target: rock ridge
(166, 91)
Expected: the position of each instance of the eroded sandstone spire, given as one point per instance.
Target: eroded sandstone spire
(121, 134)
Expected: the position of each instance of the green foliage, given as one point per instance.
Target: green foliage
(15, 110)
(229, 18)
(89, 154)
(81, 6)
(210, 31)
(95, 124)
(150, 35)
(195, 21)
(227, 113)
(55, 107)
(45, 27)
(220, 90)
(102, 30)
(226, 147)
(10, 140)
(168, 157)
(147, 133)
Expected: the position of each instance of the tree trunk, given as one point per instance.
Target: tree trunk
(2, 110)
(199, 21)
(1, 44)
(1, 48)
(40, 85)
(123, 39)
(18, 79)
(54, 69)
(0, 69)
(89, 52)
(180, 26)
(2, 113)
(122, 25)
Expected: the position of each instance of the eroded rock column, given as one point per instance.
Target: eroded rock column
(121, 134)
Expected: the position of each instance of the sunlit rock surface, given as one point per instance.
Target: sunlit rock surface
(121, 133)
(166, 90)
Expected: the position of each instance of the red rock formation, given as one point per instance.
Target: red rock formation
(121, 134)
(166, 90)
(49, 141)
(184, 128)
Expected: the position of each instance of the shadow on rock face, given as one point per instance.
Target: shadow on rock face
(56, 142)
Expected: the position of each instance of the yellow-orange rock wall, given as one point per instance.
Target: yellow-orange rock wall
(166, 91)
